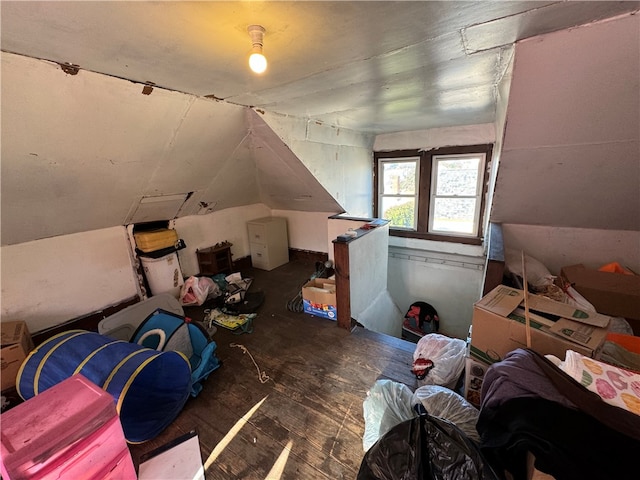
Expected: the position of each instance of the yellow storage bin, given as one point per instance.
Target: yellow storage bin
(156, 239)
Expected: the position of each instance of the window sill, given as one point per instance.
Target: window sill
(437, 246)
(435, 238)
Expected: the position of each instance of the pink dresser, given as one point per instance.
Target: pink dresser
(70, 431)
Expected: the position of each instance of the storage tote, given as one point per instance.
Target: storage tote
(156, 239)
(70, 431)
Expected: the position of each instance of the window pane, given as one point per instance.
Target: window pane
(457, 177)
(401, 212)
(454, 215)
(399, 178)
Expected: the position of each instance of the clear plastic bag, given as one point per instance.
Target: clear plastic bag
(447, 356)
(537, 274)
(444, 403)
(388, 403)
(196, 290)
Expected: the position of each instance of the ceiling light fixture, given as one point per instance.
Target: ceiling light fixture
(257, 61)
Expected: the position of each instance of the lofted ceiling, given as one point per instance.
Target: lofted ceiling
(375, 67)
(93, 150)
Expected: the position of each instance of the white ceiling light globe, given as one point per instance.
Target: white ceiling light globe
(258, 62)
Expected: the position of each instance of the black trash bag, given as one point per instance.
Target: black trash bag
(425, 448)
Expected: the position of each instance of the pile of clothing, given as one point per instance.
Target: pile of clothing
(576, 418)
(532, 406)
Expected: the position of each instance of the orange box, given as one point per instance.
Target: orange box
(629, 342)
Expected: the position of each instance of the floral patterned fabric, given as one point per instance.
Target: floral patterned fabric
(616, 386)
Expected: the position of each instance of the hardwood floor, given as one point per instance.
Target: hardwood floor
(305, 421)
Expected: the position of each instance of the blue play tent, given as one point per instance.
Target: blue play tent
(149, 387)
(167, 331)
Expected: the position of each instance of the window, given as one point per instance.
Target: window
(438, 194)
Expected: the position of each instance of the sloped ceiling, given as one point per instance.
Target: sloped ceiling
(87, 151)
(571, 152)
(375, 66)
(81, 152)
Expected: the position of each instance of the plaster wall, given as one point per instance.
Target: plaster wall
(306, 231)
(203, 231)
(50, 281)
(447, 275)
(340, 159)
(371, 304)
(557, 247)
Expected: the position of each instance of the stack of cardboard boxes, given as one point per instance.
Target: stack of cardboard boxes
(610, 293)
(499, 327)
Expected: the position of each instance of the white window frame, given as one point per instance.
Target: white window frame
(436, 159)
(415, 196)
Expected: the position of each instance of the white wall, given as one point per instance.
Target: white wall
(568, 187)
(436, 138)
(203, 231)
(339, 226)
(50, 281)
(80, 151)
(450, 282)
(558, 247)
(502, 104)
(371, 303)
(307, 230)
(447, 275)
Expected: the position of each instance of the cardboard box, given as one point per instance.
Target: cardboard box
(319, 298)
(499, 326)
(610, 293)
(16, 345)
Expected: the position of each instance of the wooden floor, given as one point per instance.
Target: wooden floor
(306, 421)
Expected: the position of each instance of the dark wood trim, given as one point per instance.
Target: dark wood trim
(434, 237)
(308, 255)
(424, 194)
(343, 285)
(86, 322)
(495, 259)
(343, 277)
(485, 188)
(396, 154)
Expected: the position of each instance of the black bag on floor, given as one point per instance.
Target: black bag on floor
(420, 319)
(425, 448)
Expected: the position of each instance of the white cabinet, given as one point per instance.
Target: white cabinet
(268, 242)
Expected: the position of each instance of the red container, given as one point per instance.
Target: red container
(69, 431)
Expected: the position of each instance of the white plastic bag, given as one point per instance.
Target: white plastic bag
(388, 403)
(444, 403)
(196, 290)
(447, 356)
(537, 274)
